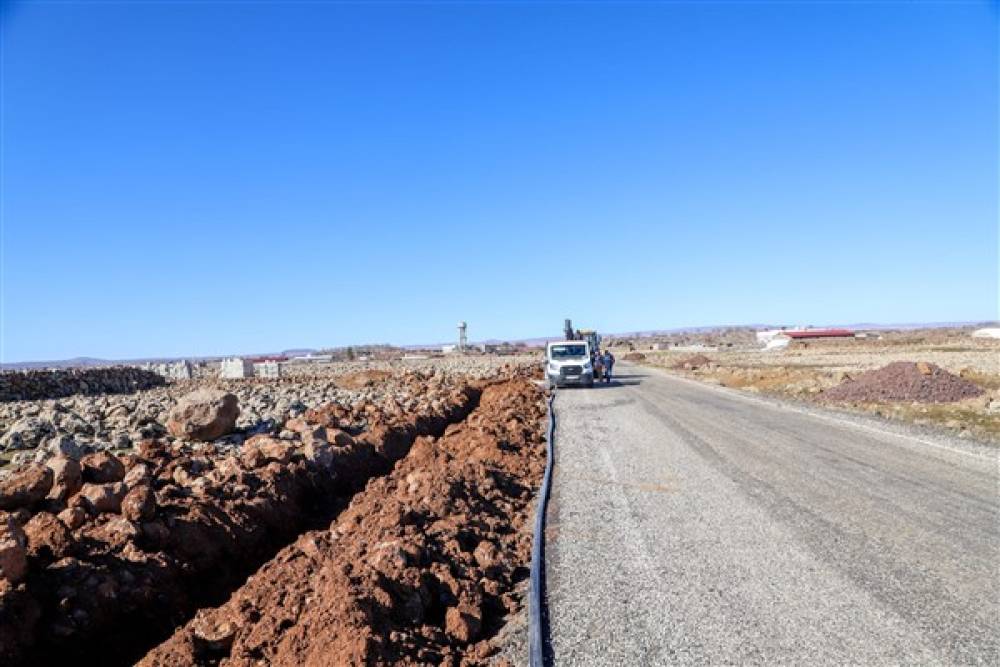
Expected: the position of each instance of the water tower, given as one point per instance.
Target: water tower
(462, 326)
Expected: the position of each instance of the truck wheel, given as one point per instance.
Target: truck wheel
(590, 384)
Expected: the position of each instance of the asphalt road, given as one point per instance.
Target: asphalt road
(689, 524)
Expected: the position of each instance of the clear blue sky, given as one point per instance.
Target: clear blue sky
(194, 178)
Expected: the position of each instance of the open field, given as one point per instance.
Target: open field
(382, 508)
(808, 370)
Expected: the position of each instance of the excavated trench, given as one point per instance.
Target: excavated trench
(190, 530)
(421, 568)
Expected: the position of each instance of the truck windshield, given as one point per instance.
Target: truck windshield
(568, 351)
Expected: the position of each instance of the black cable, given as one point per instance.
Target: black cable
(536, 638)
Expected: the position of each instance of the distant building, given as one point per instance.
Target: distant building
(180, 370)
(236, 367)
(988, 332)
(267, 369)
(314, 358)
(449, 349)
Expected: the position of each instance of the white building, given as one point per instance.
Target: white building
(267, 369)
(988, 332)
(180, 370)
(236, 367)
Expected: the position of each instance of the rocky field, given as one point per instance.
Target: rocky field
(129, 411)
(383, 509)
(937, 377)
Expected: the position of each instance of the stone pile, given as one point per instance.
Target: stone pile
(34, 385)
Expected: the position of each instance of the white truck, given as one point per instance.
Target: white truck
(567, 362)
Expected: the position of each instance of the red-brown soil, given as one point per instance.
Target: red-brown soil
(634, 356)
(362, 379)
(419, 569)
(904, 381)
(177, 527)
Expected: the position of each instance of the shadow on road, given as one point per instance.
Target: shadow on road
(616, 381)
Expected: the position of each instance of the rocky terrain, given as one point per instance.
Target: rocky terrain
(106, 547)
(34, 429)
(36, 384)
(936, 377)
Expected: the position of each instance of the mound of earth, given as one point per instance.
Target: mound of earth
(904, 381)
(362, 379)
(692, 363)
(420, 569)
(634, 356)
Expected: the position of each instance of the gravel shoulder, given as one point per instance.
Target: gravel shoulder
(692, 524)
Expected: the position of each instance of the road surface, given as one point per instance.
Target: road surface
(692, 525)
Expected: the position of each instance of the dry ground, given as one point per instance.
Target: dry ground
(804, 370)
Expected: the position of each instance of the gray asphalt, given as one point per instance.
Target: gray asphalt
(691, 525)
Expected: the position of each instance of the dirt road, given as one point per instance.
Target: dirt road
(690, 524)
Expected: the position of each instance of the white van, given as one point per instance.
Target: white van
(567, 362)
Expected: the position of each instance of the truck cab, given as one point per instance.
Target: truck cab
(567, 362)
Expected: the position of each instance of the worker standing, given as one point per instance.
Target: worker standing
(608, 362)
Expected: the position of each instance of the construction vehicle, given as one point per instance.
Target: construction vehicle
(588, 335)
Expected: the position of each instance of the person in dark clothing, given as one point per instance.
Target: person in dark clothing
(609, 363)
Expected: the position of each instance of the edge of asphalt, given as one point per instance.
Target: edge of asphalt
(914, 436)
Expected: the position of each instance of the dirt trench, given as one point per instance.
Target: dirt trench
(421, 568)
(108, 590)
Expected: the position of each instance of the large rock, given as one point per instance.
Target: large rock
(47, 536)
(103, 498)
(25, 487)
(205, 414)
(102, 468)
(139, 504)
(13, 550)
(67, 477)
(26, 433)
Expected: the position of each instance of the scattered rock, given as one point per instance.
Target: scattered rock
(102, 468)
(67, 477)
(47, 536)
(139, 504)
(205, 414)
(13, 550)
(103, 498)
(25, 487)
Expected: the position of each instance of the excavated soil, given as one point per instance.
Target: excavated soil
(634, 356)
(173, 527)
(362, 379)
(904, 381)
(420, 569)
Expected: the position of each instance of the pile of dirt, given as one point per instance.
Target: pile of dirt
(904, 381)
(692, 363)
(106, 556)
(362, 379)
(634, 356)
(420, 569)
